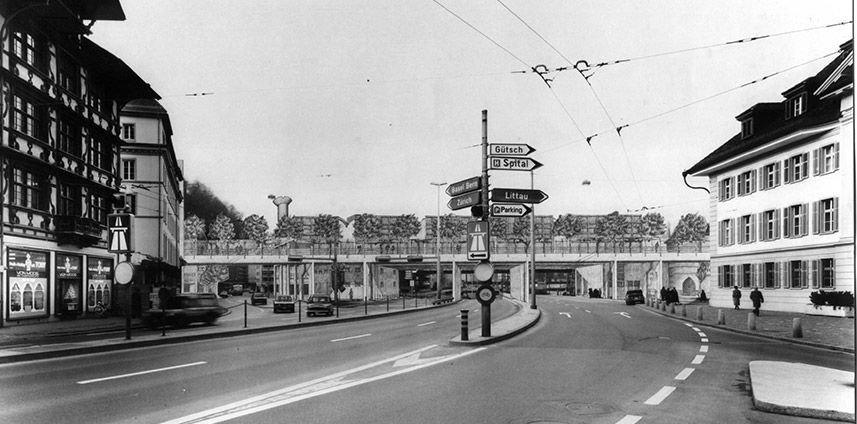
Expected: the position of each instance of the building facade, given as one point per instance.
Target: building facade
(153, 191)
(782, 194)
(59, 157)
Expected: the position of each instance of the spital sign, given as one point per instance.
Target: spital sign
(466, 186)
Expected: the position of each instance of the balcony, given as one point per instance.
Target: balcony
(82, 232)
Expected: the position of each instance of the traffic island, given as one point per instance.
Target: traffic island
(504, 329)
(802, 390)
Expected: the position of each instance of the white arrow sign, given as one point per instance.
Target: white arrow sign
(508, 210)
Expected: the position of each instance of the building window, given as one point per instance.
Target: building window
(796, 106)
(825, 276)
(747, 229)
(747, 275)
(98, 208)
(797, 274)
(727, 235)
(796, 168)
(747, 128)
(771, 274)
(29, 49)
(769, 228)
(129, 169)
(29, 189)
(69, 74)
(100, 153)
(68, 140)
(794, 221)
(825, 159)
(727, 189)
(129, 132)
(747, 183)
(29, 117)
(69, 200)
(726, 277)
(770, 176)
(825, 216)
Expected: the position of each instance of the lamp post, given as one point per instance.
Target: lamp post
(437, 236)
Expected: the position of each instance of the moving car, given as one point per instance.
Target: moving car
(258, 298)
(184, 309)
(634, 296)
(284, 303)
(319, 304)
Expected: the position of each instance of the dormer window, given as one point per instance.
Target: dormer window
(796, 106)
(747, 128)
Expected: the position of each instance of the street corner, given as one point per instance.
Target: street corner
(802, 390)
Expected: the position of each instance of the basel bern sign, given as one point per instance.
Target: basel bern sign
(466, 186)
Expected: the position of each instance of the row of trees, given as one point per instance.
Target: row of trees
(612, 228)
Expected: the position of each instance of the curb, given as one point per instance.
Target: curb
(750, 333)
(768, 405)
(536, 315)
(131, 344)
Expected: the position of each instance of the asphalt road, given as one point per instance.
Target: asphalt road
(587, 361)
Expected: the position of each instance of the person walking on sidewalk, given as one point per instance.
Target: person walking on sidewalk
(736, 297)
(757, 298)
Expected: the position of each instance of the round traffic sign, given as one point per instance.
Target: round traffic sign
(483, 272)
(485, 294)
(124, 272)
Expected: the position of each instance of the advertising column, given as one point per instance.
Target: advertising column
(28, 284)
(69, 283)
(99, 281)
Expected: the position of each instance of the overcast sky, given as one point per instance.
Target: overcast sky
(356, 106)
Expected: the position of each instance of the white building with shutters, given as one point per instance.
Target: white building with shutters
(782, 195)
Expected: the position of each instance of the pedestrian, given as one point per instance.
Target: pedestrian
(736, 297)
(757, 298)
(664, 294)
(673, 295)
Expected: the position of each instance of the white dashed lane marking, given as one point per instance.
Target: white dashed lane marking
(351, 338)
(698, 359)
(684, 374)
(703, 349)
(660, 395)
(629, 419)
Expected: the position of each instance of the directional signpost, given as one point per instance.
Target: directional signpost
(509, 210)
(465, 186)
(513, 164)
(465, 200)
(517, 195)
(510, 149)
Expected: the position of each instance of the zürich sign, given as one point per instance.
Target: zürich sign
(513, 164)
(465, 200)
(517, 195)
(465, 186)
(509, 210)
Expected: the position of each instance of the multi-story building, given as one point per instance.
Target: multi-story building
(59, 157)
(782, 194)
(153, 189)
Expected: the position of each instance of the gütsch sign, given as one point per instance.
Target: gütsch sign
(510, 149)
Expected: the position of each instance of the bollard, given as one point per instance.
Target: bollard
(388, 303)
(664, 306)
(672, 308)
(299, 309)
(684, 310)
(403, 302)
(721, 317)
(751, 321)
(245, 313)
(699, 313)
(797, 328)
(464, 331)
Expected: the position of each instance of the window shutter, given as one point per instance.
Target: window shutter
(762, 181)
(720, 276)
(753, 181)
(757, 274)
(733, 183)
(836, 156)
(787, 275)
(813, 273)
(762, 226)
(804, 163)
(752, 228)
(733, 235)
(721, 233)
(776, 174)
(721, 195)
(776, 224)
(816, 153)
(786, 221)
(777, 273)
(787, 171)
(803, 274)
(835, 214)
(816, 221)
(803, 220)
(740, 184)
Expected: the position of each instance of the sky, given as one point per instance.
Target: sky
(357, 106)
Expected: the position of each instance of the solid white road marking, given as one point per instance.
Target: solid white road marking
(351, 338)
(96, 380)
(629, 419)
(567, 315)
(587, 311)
(701, 334)
(660, 395)
(704, 340)
(703, 349)
(310, 389)
(624, 314)
(697, 359)
(684, 374)
(695, 329)
(426, 323)
(688, 324)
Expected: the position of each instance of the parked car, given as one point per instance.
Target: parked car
(284, 303)
(319, 304)
(634, 296)
(224, 294)
(184, 309)
(258, 298)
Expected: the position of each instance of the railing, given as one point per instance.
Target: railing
(243, 248)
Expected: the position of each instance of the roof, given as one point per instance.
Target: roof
(122, 82)
(66, 16)
(836, 74)
(148, 108)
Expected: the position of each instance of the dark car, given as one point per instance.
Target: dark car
(184, 309)
(258, 298)
(319, 304)
(634, 296)
(284, 303)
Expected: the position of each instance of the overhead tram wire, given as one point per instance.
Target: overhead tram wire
(618, 130)
(686, 105)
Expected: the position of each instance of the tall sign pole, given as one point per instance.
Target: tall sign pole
(533, 250)
(486, 307)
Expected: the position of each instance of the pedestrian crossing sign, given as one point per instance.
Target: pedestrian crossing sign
(119, 238)
(477, 241)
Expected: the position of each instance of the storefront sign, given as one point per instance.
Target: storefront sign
(68, 266)
(28, 283)
(99, 276)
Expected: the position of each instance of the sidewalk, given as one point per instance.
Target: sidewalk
(824, 393)
(820, 331)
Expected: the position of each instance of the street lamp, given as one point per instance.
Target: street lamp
(437, 236)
